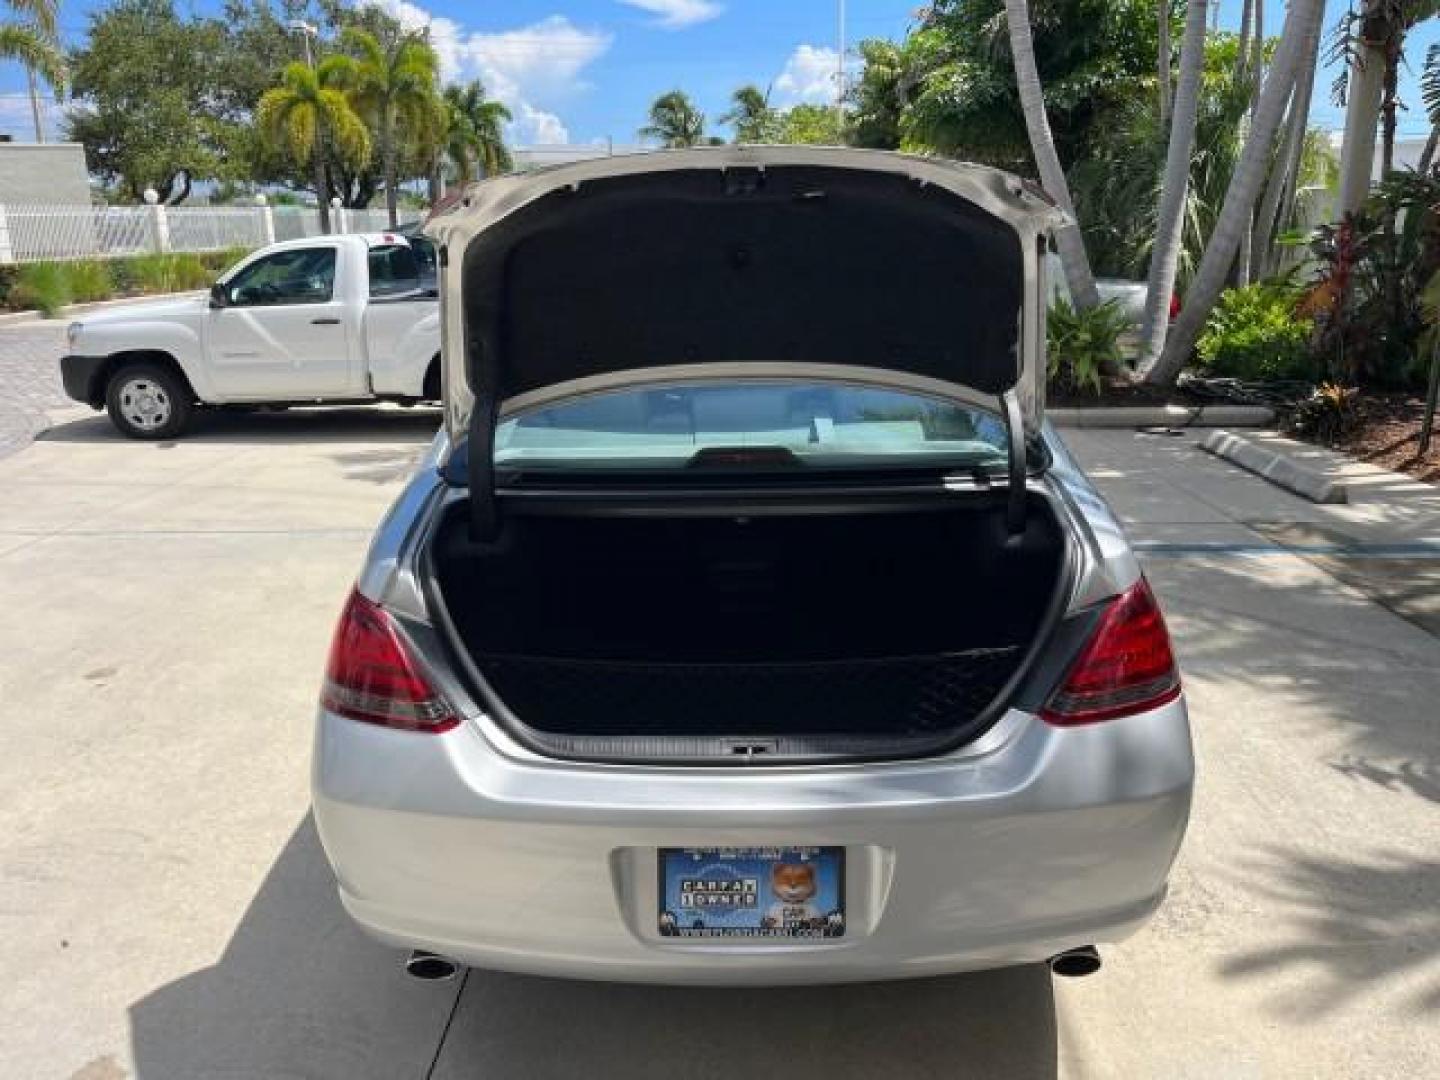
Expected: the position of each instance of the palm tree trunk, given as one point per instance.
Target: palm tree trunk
(387, 150)
(1389, 95)
(1280, 191)
(1427, 156)
(322, 189)
(1162, 11)
(1165, 256)
(35, 104)
(1362, 114)
(1042, 144)
(1302, 20)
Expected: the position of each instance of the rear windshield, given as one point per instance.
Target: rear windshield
(744, 425)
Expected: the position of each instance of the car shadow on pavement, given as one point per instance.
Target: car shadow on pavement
(360, 424)
(299, 991)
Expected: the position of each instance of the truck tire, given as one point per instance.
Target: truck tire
(148, 401)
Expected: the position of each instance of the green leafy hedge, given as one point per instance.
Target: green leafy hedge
(1255, 334)
(49, 286)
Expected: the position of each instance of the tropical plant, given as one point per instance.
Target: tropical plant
(475, 132)
(1299, 32)
(33, 39)
(1329, 414)
(1368, 46)
(309, 114)
(1068, 239)
(1084, 344)
(751, 116)
(392, 85)
(1254, 334)
(674, 121)
(1368, 296)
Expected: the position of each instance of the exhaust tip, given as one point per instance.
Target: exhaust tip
(430, 967)
(1073, 963)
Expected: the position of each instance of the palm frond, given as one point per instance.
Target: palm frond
(35, 51)
(1430, 82)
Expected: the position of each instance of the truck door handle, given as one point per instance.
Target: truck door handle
(324, 322)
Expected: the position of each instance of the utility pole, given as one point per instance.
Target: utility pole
(840, 63)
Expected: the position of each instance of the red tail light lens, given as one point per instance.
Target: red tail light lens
(1126, 666)
(372, 677)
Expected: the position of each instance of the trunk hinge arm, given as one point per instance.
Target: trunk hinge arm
(1015, 496)
(480, 465)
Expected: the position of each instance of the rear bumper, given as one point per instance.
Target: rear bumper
(81, 377)
(1043, 840)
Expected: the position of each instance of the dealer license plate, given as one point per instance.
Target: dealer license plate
(752, 892)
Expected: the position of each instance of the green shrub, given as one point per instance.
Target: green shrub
(1255, 334)
(44, 286)
(1082, 344)
(49, 286)
(89, 280)
(169, 273)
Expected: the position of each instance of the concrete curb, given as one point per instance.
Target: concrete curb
(10, 318)
(1138, 416)
(1275, 467)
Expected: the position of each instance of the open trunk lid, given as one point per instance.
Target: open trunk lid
(755, 262)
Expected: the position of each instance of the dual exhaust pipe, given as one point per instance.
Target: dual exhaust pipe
(432, 967)
(1073, 963)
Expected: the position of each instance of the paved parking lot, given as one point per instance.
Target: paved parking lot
(165, 911)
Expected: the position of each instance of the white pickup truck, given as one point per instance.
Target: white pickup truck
(328, 319)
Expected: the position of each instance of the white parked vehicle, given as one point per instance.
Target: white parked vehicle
(328, 319)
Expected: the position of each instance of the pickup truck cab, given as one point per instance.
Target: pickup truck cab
(322, 320)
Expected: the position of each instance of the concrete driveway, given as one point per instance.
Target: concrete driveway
(165, 911)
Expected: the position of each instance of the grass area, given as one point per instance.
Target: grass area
(48, 287)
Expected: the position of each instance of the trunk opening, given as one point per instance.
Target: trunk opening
(881, 633)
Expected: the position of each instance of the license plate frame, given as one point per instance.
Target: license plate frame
(762, 892)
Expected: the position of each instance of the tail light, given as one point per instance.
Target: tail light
(1126, 667)
(1174, 306)
(371, 675)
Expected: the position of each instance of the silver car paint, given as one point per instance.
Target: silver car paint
(1031, 840)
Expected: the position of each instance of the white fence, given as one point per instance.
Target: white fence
(29, 233)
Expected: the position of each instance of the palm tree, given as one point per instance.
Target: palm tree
(476, 125)
(308, 112)
(393, 87)
(1280, 190)
(34, 41)
(1165, 256)
(752, 118)
(1042, 145)
(1302, 20)
(674, 121)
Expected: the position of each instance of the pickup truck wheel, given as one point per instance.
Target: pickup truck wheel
(145, 401)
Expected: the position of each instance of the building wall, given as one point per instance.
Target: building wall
(43, 173)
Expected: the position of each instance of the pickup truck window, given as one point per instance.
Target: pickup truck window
(297, 276)
(393, 270)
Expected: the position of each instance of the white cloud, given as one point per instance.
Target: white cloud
(530, 68)
(808, 76)
(538, 127)
(678, 14)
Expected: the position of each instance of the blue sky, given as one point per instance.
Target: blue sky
(585, 70)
